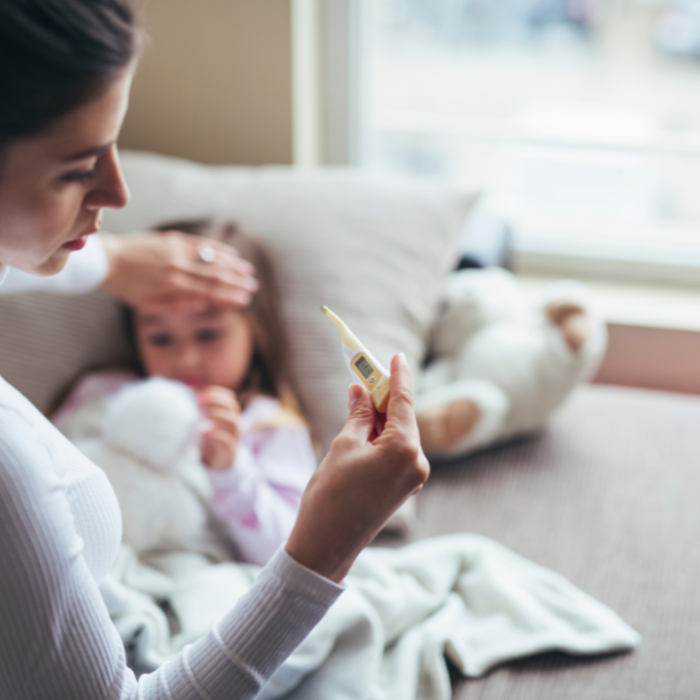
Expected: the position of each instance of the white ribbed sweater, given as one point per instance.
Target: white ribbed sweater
(59, 531)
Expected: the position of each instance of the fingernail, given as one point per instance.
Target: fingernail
(402, 357)
(354, 393)
(241, 298)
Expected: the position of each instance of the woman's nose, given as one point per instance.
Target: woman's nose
(110, 189)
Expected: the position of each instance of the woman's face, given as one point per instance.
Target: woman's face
(209, 348)
(53, 186)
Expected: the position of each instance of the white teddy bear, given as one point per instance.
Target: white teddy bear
(148, 447)
(499, 369)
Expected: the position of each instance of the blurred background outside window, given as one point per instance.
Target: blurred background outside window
(580, 117)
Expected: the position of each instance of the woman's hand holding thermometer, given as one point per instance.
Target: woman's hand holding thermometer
(362, 364)
(363, 479)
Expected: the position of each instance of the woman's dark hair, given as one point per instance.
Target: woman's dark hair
(270, 371)
(56, 55)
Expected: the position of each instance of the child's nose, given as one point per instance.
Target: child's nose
(188, 357)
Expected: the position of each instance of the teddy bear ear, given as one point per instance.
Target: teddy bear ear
(156, 421)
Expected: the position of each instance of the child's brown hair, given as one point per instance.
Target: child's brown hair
(270, 371)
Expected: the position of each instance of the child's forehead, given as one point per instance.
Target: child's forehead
(168, 316)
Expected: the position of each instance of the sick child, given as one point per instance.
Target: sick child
(257, 446)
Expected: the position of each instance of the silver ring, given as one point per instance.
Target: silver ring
(206, 253)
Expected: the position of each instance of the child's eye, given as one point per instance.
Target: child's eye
(79, 175)
(208, 335)
(160, 340)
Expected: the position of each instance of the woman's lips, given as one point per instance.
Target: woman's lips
(76, 244)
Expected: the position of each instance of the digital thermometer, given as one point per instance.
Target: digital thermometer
(362, 364)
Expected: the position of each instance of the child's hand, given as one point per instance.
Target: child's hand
(219, 444)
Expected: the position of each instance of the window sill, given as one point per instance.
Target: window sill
(642, 305)
(653, 333)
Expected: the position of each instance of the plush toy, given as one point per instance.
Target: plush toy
(498, 368)
(148, 447)
(145, 438)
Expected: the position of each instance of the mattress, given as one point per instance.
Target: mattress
(609, 496)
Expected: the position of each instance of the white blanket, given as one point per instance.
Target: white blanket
(461, 596)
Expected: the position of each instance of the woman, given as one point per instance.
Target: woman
(65, 72)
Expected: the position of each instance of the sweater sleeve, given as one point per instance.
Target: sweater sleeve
(56, 637)
(242, 652)
(85, 270)
(258, 498)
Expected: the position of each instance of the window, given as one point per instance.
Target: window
(581, 117)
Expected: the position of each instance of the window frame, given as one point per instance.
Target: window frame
(340, 73)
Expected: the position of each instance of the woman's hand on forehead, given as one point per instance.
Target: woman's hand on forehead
(176, 271)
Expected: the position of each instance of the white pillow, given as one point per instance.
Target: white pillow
(373, 249)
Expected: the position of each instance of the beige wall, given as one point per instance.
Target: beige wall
(215, 83)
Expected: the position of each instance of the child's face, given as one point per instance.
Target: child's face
(213, 347)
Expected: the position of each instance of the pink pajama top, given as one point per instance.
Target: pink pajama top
(258, 497)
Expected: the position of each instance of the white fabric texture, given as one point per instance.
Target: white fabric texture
(461, 596)
(59, 533)
(148, 449)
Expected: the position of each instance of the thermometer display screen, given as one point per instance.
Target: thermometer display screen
(364, 367)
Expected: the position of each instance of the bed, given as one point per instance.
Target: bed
(607, 494)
